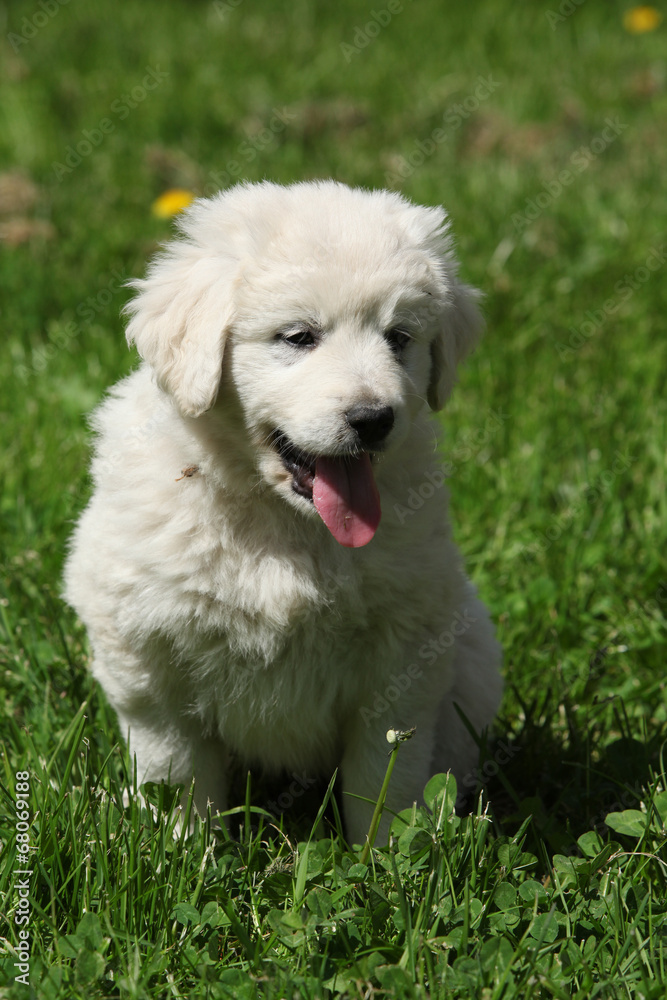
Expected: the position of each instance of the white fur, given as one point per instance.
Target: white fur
(224, 617)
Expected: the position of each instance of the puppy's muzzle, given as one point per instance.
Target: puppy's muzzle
(342, 486)
(371, 424)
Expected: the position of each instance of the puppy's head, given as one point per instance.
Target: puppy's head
(335, 314)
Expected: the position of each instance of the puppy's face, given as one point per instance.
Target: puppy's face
(339, 314)
(331, 360)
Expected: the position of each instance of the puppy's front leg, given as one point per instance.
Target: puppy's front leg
(363, 769)
(177, 752)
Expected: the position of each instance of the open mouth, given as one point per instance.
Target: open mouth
(341, 487)
(300, 465)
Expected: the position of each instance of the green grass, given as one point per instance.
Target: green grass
(556, 430)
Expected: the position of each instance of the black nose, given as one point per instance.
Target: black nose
(372, 423)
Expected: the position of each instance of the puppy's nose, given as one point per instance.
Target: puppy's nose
(372, 423)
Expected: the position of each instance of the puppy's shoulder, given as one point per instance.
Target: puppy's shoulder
(134, 426)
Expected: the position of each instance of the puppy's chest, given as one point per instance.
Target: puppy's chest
(272, 614)
(281, 645)
(277, 693)
(259, 605)
(265, 602)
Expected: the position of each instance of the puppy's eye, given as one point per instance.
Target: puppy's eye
(299, 338)
(397, 339)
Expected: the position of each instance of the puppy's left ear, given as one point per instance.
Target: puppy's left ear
(460, 327)
(180, 320)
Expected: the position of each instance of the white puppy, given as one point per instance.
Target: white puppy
(253, 579)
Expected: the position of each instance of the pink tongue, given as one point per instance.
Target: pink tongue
(347, 499)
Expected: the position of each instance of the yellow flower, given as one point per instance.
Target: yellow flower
(637, 20)
(171, 203)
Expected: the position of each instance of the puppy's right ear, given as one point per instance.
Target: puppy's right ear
(180, 320)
